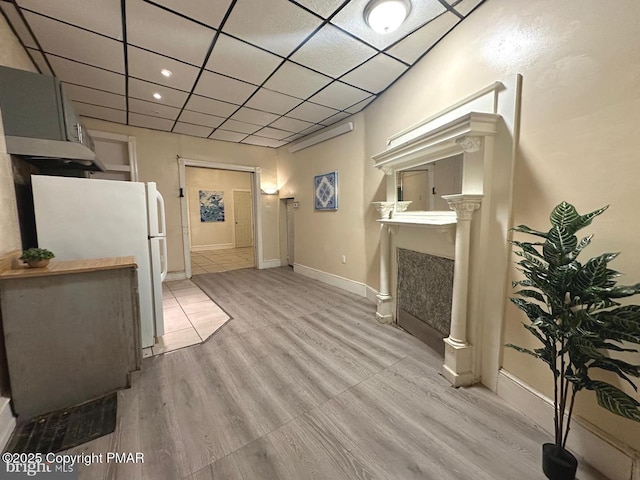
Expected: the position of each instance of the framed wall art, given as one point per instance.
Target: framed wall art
(326, 191)
(211, 206)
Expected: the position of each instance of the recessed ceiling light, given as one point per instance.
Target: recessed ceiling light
(157, 96)
(166, 73)
(385, 16)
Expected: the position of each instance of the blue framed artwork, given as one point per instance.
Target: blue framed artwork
(211, 206)
(326, 191)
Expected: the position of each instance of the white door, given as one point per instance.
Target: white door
(242, 218)
(290, 236)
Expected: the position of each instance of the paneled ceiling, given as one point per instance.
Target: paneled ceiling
(260, 72)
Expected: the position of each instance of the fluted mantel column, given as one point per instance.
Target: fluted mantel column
(458, 360)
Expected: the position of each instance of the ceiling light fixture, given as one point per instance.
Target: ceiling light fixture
(385, 16)
(157, 96)
(166, 73)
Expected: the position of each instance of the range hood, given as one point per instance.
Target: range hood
(40, 124)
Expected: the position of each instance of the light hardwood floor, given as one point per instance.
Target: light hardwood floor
(303, 383)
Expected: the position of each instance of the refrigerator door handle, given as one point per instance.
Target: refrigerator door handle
(163, 258)
(162, 227)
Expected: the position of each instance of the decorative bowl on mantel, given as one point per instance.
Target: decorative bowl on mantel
(384, 209)
(403, 205)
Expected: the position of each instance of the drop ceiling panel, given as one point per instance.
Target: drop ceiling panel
(201, 119)
(18, 25)
(291, 124)
(324, 8)
(144, 91)
(256, 117)
(193, 130)
(38, 57)
(153, 109)
(101, 16)
(311, 112)
(227, 136)
(211, 106)
(78, 73)
(147, 66)
(242, 61)
(146, 121)
(273, 102)
(339, 95)
(205, 11)
(77, 44)
(466, 6)
(277, 25)
(273, 133)
(376, 74)
(263, 142)
(240, 127)
(223, 88)
(160, 31)
(320, 52)
(95, 97)
(102, 113)
(335, 118)
(351, 18)
(296, 80)
(414, 46)
(361, 105)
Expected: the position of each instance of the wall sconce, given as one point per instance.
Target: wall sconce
(269, 191)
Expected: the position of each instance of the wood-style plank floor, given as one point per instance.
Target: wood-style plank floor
(303, 383)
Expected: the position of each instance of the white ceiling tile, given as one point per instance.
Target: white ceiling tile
(227, 135)
(74, 72)
(18, 25)
(339, 95)
(223, 88)
(263, 142)
(324, 8)
(296, 80)
(320, 52)
(273, 133)
(466, 6)
(294, 137)
(277, 25)
(311, 112)
(361, 105)
(155, 29)
(377, 74)
(311, 130)
(38, 57)
(351, 18)
(102, 113)
(147, 66)
(153, 109)
(101, 16)
(256, 117)
(77, 44)
(240, 60)
(240, 127)
(274, 102)
(145, 90)
(291, 124)
(335, 118)
(210, 106)
(205, 11)
(412, 47)
(194, 130)
(146, 121)
(201, 119)
(95, 97)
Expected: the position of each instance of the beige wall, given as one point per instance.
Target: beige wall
(157, 162)
(213, 234)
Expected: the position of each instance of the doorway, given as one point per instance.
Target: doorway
(290, 232)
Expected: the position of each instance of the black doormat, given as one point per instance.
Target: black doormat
(66, 428)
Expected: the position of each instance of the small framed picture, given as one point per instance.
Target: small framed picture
(326, 191)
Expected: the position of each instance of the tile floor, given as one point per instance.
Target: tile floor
(190, 317)
(214, 261)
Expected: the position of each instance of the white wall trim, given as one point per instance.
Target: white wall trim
(616, 461)
(7, 422)
(216, 246)
(275, 263)
(344, 283)
(173, 276)
(371, 294)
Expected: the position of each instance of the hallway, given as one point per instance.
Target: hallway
(215, 261)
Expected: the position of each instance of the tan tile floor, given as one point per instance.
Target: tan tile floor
(213, 261)
(190, 317)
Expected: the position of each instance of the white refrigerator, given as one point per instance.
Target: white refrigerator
(79, 218)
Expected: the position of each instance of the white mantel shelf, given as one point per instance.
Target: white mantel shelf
(419, 222)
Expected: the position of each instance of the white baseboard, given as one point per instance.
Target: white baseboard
(275, 263)
(600, 450)
(371, 295)
(217, 246)
(173, 276)
(334, 280)
(7, 422)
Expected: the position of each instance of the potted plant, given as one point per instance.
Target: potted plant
(37, 257)
(573, 312)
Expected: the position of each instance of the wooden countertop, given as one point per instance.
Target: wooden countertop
(65, 267)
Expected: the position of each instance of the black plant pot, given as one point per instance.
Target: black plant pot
(558, 463)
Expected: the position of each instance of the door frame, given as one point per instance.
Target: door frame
(184, 207)
(233, 193)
